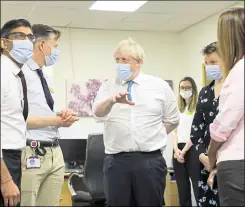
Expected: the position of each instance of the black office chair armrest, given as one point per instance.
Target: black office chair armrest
(77, 183)
(82, 196)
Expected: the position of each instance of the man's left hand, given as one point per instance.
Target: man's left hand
(68, 117)
(66, 114)
(69, 122)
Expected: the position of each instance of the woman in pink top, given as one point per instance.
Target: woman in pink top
(226, 149)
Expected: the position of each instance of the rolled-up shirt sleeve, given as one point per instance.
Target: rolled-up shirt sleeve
(231, 109)
(102, 94)
(171, 111)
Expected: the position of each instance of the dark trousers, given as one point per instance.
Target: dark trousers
(183, 172)
(12, 160)
(230, 177)
(135, 179)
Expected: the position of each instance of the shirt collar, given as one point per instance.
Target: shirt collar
(14, 67)
(137, 79)
(32, 64)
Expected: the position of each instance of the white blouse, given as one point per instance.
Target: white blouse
(184, 128)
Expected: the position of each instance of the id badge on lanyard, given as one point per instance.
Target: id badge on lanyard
(33, 161)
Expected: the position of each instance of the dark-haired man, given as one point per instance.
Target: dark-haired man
(16, 48)
(43, 163)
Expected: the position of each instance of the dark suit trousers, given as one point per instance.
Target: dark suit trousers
(135, 179)
(12, 159)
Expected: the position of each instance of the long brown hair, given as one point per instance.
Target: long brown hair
(231, 37)
(182, 103)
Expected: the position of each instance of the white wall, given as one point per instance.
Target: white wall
(193, 40)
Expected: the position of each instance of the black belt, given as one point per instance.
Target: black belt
(37, 145)
(156, 152)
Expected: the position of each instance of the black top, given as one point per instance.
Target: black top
(206, 111)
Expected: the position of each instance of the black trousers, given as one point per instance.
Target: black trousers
(12, 159)
(135, 179)
(230, 177)
(183, 172)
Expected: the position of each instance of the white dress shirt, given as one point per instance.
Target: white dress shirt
(38, 105)
(184, 128)
(13, 124)
(139, 127)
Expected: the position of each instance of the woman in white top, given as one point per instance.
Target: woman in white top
(185, 159)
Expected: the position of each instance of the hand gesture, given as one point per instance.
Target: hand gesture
(66, 114)
(178, 156)
(122, 98)
(69, 122)
(67, 117)
(10, 192)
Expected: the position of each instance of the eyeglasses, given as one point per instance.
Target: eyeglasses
(185, 88)
(22, 36)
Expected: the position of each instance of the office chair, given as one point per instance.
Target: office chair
(88, 189)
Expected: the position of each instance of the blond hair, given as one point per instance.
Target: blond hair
(231, 38)
(129, 47)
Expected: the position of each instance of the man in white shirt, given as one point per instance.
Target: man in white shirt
(43, 164)
(16, 48)
(138, 112)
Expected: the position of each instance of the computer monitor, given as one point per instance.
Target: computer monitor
(74, 150)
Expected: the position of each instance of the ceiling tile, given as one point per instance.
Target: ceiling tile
(11, 11)
(184, 7)
(18, 3)
(140, 26)
(80, 5)
(52, 13)
(147, 17)
(96, 19)
(50, 21)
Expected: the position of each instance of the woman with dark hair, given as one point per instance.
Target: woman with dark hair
(206, 110)
(227, 129)
(185, 158)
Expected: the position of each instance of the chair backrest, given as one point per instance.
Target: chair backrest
(93, 168)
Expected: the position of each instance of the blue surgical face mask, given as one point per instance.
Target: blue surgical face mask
(51, 60)
(123, 71)
(213, 72)
(22, 50)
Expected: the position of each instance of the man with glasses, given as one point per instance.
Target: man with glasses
(43, 163)
(16, 48)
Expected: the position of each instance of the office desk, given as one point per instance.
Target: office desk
(65, 197)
